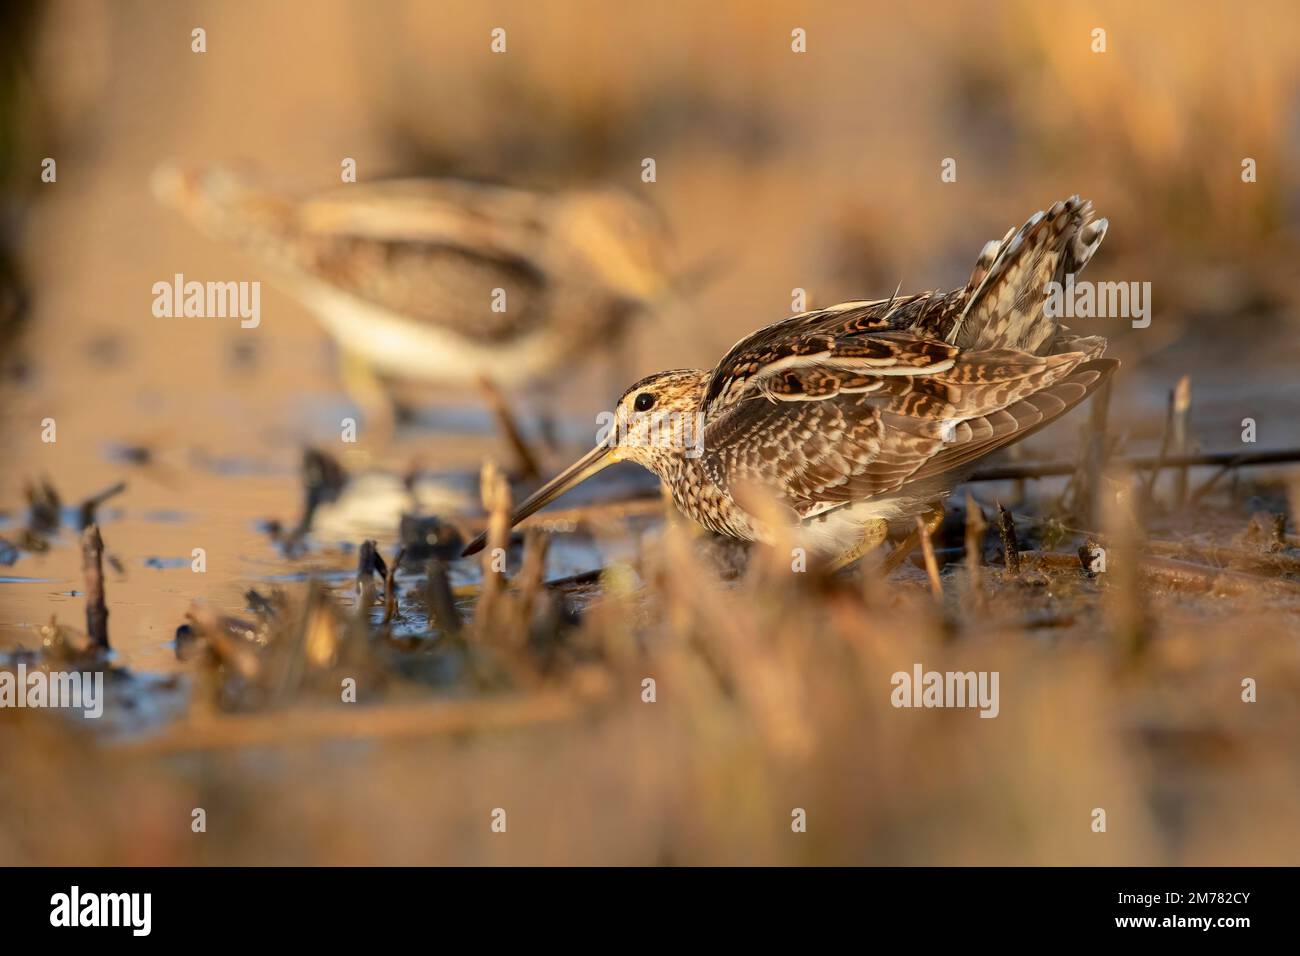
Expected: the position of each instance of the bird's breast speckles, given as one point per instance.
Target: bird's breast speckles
(698, 497)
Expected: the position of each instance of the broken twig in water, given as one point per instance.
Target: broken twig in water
(1010, 546)
(369, 563)
(86, 513)
(92, 565)
(442, 605)
(1057, 469)
(1171, 572)
(525, 459)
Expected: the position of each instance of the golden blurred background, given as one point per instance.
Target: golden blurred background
(781, 170)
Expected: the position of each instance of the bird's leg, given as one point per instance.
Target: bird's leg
(873, 536)
(368, 392)
(932, 518)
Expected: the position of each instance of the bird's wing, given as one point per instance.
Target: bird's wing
(443, 211)
(813, 333)
(432, 251)
(864, 414)
(445, 285)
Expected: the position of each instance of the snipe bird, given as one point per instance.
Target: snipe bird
(441, 280)
(865, 414)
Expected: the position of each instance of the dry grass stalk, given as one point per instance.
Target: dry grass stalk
(752, 642)
(976, 526)
(1096, 449)
(496, 502)
(931, 565)
(779, 559)
(531, 583)
(313, 643)
(1181, 402)
(1125, 609)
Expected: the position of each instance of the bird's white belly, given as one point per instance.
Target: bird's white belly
(836, 531)
(398, 347)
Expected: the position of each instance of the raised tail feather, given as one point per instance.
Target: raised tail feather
(1007, 291)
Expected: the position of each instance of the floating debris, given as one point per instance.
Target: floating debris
(86, 513)
(44, 507)
(131, 454)
(1092, 557)
(1266, 532)
(931, 566)
(429, 537)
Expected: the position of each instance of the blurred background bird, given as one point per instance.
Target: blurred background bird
(440, 280)
(865, 415)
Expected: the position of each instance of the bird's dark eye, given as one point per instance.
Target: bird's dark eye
(644, 402)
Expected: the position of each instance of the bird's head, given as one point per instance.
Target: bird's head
(655, 422)
(658, 419)
(623, 239)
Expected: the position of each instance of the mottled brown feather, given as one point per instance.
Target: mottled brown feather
(832, 446)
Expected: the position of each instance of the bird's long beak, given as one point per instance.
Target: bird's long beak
(598, 459)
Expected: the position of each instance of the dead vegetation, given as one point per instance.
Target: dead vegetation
(705, 705)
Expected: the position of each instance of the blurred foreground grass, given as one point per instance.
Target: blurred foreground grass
(772, 692)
